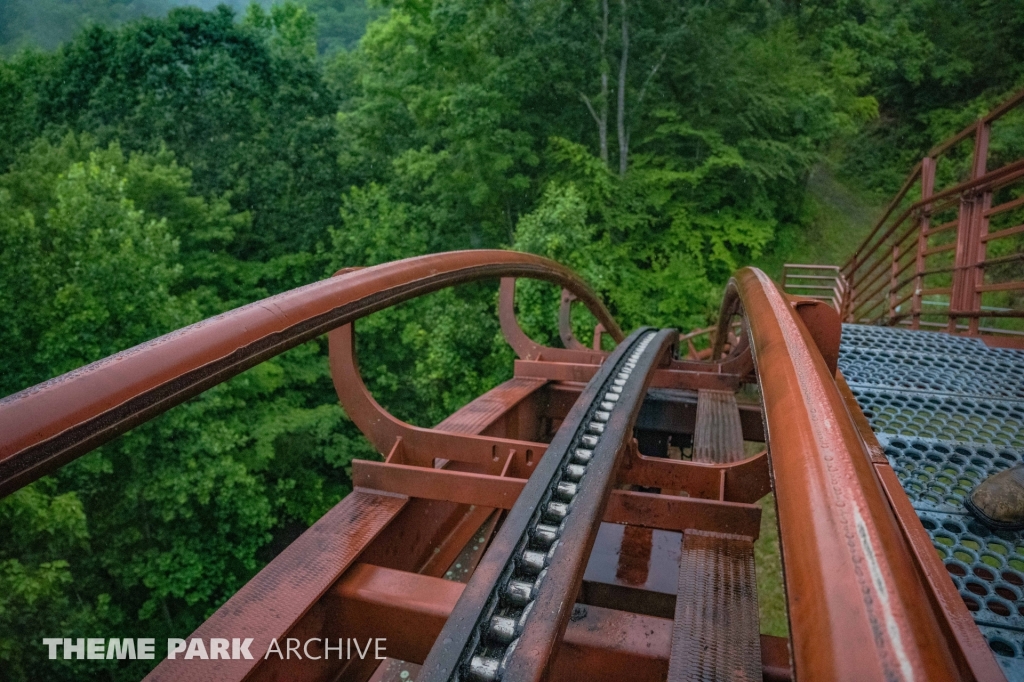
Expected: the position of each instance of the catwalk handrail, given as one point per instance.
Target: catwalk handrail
(900, 268)
(48, 425)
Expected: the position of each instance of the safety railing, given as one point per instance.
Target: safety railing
(820, 282)
(953, 258)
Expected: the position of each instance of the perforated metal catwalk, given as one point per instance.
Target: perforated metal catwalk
(949, 412)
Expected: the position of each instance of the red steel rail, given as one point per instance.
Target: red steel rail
(46, 426)
(857, 610)
(862, 601)
(952, 258)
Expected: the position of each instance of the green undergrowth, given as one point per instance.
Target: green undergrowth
(771, 596)
(838, 218)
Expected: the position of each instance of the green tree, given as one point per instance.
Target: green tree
(160, 526)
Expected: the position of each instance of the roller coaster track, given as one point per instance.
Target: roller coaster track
(594, 517)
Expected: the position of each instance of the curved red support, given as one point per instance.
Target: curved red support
(404, 443)
(44, 427)
(565, 322)
(528, 349)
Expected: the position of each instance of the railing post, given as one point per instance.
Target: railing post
(892, 283)
(964, 297)
(979, 228)
(927, 188)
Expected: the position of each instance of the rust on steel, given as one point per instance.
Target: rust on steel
(46, 426)
(296, 594)
(270, 604)
(867, 597)
(404, 443)
(893, 273)
(528, 349)
(856, 611)
(949, 606)
(410, 611)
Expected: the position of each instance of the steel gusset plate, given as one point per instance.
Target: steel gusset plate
(514, 610)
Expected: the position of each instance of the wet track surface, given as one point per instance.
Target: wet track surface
(949, 412)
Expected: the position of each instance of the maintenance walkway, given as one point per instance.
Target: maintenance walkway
(949, 412)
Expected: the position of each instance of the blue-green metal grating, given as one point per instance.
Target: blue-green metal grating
(949, 412)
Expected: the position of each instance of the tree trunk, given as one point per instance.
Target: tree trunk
(600, 114)
(621, 118)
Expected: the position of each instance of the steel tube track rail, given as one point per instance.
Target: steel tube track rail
(511, 617)
(857, 609)
(46, 426)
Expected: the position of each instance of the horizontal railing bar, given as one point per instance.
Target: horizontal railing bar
(881, 256)
(964, 327)
(911, 179)
(910, 262)
(904, 299)
(880, 288)
(939, 249)
(989, 181)
(1002, 208)
(971, 128)
(942, 227)
(811, 266)
(1001, 286)
(986, 313)
(999, 261)
(1016, 229)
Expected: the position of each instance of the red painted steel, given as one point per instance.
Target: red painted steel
(264, 609)
(918, 267)
(46, 426)
(602, 644)
(270, 604)
(408, 444)
(528, 349)
(530, 658)
(957, 622)
(867, 598)
(856, 612)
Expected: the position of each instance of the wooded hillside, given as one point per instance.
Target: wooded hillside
(157, 170)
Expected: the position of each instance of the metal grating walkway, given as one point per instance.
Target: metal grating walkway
(949, 412)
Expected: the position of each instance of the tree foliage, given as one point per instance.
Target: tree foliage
(157, 172)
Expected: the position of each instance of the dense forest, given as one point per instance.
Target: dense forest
(160, 165)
